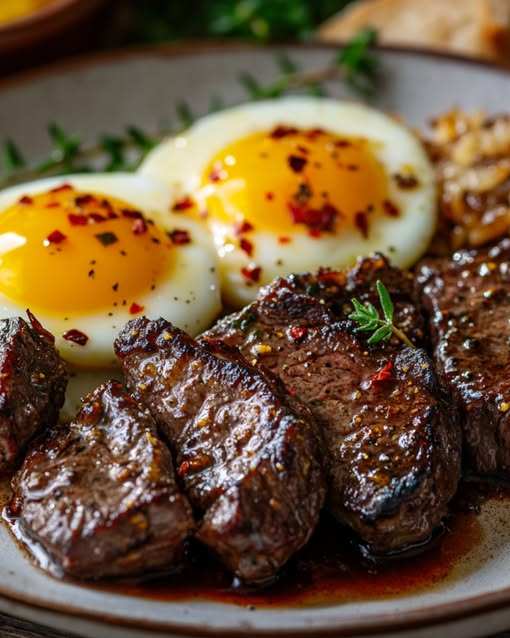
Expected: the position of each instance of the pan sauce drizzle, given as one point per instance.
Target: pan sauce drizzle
(328, 571)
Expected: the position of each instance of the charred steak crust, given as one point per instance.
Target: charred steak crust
(467, 299)
(33, 380)
(247, 454)
(392, 445)
(100, 494)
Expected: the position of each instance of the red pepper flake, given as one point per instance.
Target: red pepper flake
(251, 273)
(106, 205)
(77, 220)
(297, 163)
(342, 143)
(361, 222)
(135, 308)
(269, 196)
(283, 239)
(184, 468)
(97, 218)
(55, 237)
(139, 227)
(83, 200)
(26, 200)
(62, 188)
(390, 208)
(303, 149)
(179, 237)
(132, 214)
(246, 246)
(282, 131)
(112, 214)
(314, 134)
(385, 374)
(216, 174)
(76, 336)
(405, 181)
(326, 276)
(38, 327)
(317, 219)
(183, 204)
(52, 205)
(240, 228)
(298, 333)
(107, 239)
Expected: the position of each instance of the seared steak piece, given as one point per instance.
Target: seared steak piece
(100, 494)
(33, 380)
(467, 299)
(392, 445)
(247, 454)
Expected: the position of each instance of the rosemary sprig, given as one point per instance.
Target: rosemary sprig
(368, 319)
(355, 64)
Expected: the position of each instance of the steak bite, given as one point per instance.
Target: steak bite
(99, 495)
(467, 299)
(392, 445)
(33, 380)
(247, 454)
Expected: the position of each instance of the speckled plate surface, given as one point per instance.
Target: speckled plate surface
(103, 94)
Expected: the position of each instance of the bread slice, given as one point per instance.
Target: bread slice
(476, 28)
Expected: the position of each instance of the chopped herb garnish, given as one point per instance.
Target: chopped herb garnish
(107, 239)
(368, 319)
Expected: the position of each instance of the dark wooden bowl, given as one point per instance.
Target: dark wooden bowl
(45, 27)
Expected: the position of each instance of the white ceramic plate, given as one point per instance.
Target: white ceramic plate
(103, 94)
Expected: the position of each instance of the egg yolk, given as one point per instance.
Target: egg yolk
(68, 252)
(291, 180)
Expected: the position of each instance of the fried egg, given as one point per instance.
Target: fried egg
(87, 253)
(294, 184)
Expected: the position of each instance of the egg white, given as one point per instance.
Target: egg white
(189, 296)
(180, 162)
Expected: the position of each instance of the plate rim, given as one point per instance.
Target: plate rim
(381, 623)
(205, 47)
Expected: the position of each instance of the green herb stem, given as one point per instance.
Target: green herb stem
(355, 64)
(368, 319)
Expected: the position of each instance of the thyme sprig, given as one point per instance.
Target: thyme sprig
(368, 319)
(355, 64)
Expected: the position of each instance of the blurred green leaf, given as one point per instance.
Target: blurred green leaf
(13, 159)
(360, 64)
(261, 20)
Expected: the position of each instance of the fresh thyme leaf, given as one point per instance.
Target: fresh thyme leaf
(367, 318)
(251, 86)
(360, 64)
(114, 149)
(317, 90)
(356, 64)
(66, 146)
(185, 114)
(381, 334)
(216, 104)
(286, 64)
(385, 301)
(13, 159)
(140, 139)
